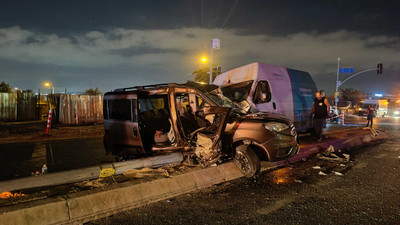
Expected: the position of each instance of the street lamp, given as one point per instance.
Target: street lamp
(204, 60)
(47, 84)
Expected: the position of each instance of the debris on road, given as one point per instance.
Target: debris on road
(338, 173)
(322, 173)
(316, 167)
(298, 181)
(8, 194)
(331, 155)
(145, 172)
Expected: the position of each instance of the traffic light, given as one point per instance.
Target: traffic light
(379, 68)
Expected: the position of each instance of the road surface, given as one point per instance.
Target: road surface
(22, 159)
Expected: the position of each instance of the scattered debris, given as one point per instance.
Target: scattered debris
(8, 195)
(298, 181)
(44, 169)
(145, 172)
(330, 149)
(338, 173)
(316, 167)
(342, 165)
(322, 173)
(168, 200)
(92, 183)
(330, 155)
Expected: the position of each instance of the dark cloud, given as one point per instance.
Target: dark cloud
(109, 44)
(253, 17)
(141, 50)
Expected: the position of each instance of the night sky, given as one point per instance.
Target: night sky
(111, 44)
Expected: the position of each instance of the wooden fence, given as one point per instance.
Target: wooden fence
(79, 109)
(19, 106)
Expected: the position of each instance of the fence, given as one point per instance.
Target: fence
(8, 107)
(19, 106)
(79, 109)
(69, 109)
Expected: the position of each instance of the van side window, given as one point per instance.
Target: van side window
(120, 109)
(263, 92)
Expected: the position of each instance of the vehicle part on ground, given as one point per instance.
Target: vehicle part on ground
(247, 160)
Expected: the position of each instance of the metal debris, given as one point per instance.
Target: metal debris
(322, 173)
(338, 173)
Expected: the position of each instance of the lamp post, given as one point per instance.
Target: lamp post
(215, 45)
(48, 84)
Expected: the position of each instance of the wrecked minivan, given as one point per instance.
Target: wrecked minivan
(203, 124)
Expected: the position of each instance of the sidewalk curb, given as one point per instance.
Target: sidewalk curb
(93, 204)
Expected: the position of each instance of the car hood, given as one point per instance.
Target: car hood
(267, 117)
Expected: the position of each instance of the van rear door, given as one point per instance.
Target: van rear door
(121, 124)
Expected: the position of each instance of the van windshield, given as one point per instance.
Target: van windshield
(220, 99)
(238, 92)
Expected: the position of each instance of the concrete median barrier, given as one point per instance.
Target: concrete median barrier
(89, 205)
(88, 173)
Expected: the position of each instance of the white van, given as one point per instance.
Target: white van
(272, 89)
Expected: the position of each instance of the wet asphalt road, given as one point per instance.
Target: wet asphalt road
(367, 193)
(21, 159)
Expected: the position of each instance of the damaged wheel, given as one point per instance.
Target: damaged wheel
(247, 160)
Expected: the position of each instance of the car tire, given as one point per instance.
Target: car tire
(247, 161)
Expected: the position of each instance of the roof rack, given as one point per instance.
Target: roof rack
(146, 87)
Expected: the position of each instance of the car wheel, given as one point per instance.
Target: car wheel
(247, 161)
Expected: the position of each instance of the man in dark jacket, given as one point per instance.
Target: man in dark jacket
(370, 116)
(320, 111)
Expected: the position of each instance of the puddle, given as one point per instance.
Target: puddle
(282, 176)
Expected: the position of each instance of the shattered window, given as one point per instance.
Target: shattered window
(182, 102)
(201, 103)
(238, 92)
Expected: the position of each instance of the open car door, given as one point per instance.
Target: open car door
(207, 140)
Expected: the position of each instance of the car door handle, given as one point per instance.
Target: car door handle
(135, 133)
(274, 105)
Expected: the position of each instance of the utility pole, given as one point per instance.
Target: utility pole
(337, 83)
(211, 56)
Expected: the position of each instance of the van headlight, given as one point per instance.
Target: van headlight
(276, 126)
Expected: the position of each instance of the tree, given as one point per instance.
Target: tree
(350, 94)
(4, 87)
(92, 91)
(203, 74)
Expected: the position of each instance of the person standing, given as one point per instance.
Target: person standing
(370, 116)
(320, 111)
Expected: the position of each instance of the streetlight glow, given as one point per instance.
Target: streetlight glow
(204, 59)
(47, 84)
